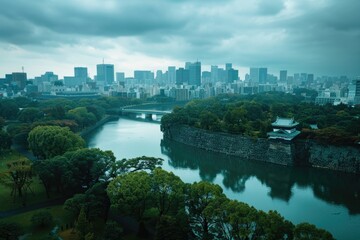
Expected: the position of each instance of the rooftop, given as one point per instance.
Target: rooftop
(284, 122)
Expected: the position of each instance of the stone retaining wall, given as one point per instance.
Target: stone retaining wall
(249, 148)
(309, 153)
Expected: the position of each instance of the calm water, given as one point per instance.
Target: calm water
(327, 199)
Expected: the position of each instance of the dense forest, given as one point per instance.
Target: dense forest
(21, 115)
(252, 116)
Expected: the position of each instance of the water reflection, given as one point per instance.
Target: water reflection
(330, 186)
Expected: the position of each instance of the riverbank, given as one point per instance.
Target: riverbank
(84, 133)
(308, 153)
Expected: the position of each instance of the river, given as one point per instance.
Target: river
(328, 199)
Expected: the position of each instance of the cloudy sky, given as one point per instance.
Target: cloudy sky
(313, 36)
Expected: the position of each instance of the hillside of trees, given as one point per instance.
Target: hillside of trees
(252, 116)
(21, 115)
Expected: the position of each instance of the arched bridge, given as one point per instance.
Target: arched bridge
(148, 113)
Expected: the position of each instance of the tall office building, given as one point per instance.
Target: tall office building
(120, 77)
(205, 77)
(182, 76)
(19, 78)
(105, 73)
(171, 75)
(310, 78)
(195, 74)
(80, 77)
(214, 74)
(254, 75)
(231, 74)
(262, 75)
(283, 76)
(49, 77)
(228, 66)
(159, 77)
(144, 76)
(81, 72)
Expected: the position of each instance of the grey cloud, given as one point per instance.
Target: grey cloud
(122, 20)
(266, 7)
(318, 36)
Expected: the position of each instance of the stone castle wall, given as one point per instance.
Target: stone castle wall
(309, 153)
(248, 148)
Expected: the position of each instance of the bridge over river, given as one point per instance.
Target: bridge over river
(149, 114)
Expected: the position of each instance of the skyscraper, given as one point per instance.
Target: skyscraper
(105, 73)
(159, 77)
(231, 74)
(214, 74)
(182, 76)
(262, 75)
(195, 74)
(120, 77)
(144, 76)
(19, 78)
(228, 66)
(171, 75)
(283, 75)
(81, 72)
(254, 75)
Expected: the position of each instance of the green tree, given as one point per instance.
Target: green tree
(42, 219)
(277, 227)
(18, 177)
(131, 194)
(5, 141)
(98, 112)
(49, 141)
(137, 164)
(199, 196)
(233, 219)
(76, 203)
(89, 166)
(55, 112)
(94, 201)
(29, 115)
(8, 109)
(209, 121)
(82, 116)
(2, 122)
(307, 231)
(168, 191)
(82, 225)
(53, 173)
(113, 231)
(10, 231)
(168, 228)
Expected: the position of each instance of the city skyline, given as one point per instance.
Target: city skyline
(316, 37)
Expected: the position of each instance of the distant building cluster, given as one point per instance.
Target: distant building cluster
(181, 84)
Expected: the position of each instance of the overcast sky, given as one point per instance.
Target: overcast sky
(313, 36)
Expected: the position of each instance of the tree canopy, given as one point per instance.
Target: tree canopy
(50, 141)
(252, 116)
(200, 210)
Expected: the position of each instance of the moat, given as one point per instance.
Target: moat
(328, 199)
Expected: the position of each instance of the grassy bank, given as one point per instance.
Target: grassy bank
(36, 193)
(61, 218)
